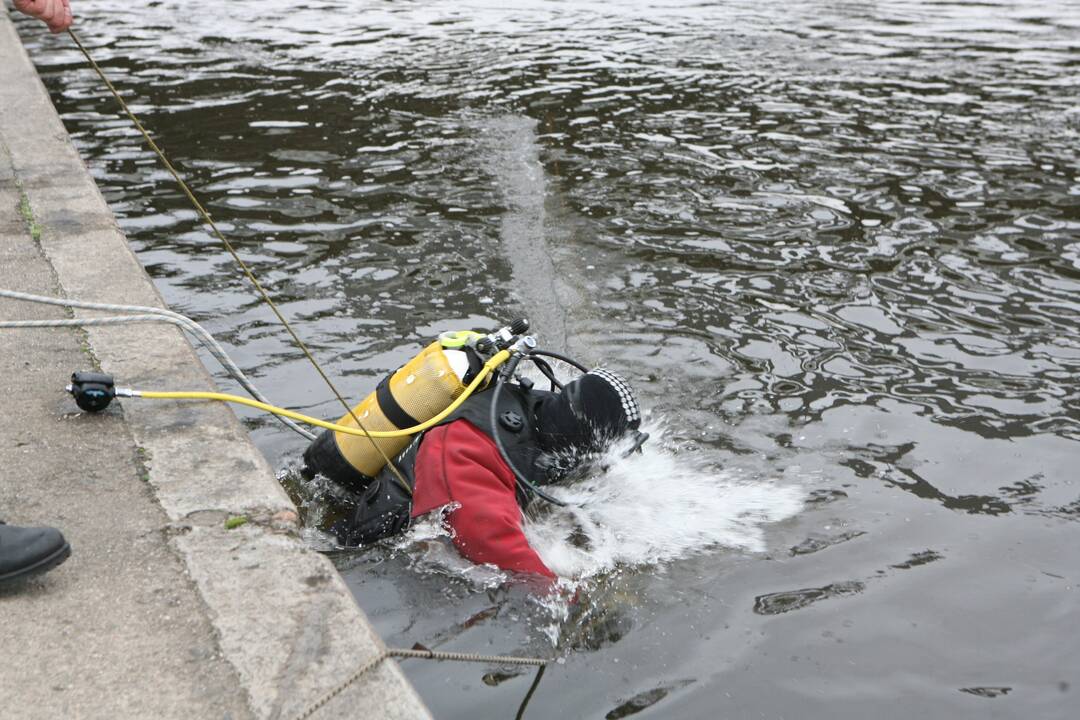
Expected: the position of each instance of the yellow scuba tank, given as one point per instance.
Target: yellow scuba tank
(415, 393)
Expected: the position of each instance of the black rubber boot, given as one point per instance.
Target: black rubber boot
(29, 551)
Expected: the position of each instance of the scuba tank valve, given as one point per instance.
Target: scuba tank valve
(502, 338)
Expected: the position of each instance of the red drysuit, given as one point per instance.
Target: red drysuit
(456, 463)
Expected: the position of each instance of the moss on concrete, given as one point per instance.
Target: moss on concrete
(235, 521)
(27, 213)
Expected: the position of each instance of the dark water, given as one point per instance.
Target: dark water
(835, 244)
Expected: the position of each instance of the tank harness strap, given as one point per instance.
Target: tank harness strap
(390, 407)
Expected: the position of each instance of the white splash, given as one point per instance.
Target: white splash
(654, 507)
(428, 545)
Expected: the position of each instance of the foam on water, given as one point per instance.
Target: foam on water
(655, 506)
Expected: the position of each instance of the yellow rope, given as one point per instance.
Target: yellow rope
(232, 251)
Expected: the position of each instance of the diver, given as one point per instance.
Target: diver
(485, 464)
(455, 429)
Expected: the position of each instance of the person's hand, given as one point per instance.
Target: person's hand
(54, 13)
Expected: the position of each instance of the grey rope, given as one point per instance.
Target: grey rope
(81, 322)
(146, 314)
(465, 657)
(421, 654)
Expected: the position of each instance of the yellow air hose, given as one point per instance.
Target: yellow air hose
(498, 359)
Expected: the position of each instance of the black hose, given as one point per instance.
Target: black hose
(528, 695)
(545, 367)
(494, 421)
(559, 356)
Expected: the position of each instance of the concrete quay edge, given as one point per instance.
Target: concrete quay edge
(283, 617)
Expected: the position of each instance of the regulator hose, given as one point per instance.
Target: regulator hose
(498, 359)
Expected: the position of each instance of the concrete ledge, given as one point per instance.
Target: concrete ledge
(281, 617)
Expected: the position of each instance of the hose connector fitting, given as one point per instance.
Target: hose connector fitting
(93, 391)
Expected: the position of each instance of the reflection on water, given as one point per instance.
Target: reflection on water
(836, 243)
(781, 602)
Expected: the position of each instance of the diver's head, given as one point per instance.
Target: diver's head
(589, 414)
